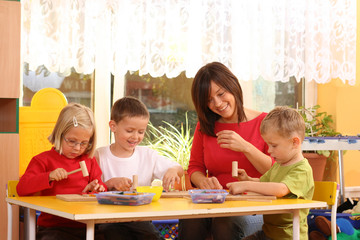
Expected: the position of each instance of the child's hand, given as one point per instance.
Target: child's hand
(58, 174)
(242, 175)
(171, 176)
(119, 184)
(94, 186)
(236, 187)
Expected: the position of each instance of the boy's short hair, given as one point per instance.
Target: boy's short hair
(285, 121)
(128, 107)
(71, 115)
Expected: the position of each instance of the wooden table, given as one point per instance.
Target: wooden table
(91, 213)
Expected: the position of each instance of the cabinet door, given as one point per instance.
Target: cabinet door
(9, 167)
(10, 49)
(10, 22)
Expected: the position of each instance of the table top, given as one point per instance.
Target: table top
(331, 143)
(164, 208)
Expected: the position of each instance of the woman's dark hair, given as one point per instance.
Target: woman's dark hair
(200, 92)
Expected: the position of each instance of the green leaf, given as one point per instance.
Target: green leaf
(170, 142)
(318, 124)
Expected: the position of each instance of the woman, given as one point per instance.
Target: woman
(226, 132)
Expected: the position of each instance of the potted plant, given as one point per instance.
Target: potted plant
(172, 143)
(318, 124)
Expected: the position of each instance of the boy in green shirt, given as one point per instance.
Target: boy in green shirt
(283, 129)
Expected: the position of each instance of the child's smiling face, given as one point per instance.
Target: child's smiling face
(129, 132)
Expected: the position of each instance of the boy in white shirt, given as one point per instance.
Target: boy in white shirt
(124, 158)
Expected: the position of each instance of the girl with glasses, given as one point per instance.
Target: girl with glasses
(47, 174)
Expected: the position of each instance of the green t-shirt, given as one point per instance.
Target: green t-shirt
(298, 178)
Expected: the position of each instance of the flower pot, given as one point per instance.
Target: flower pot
(185, 183)
(317, 163)
(331, 169)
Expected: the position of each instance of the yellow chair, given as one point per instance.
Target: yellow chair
(11, 188)
(328, 192)
(11, 192)
(36, 123)
(28, 230)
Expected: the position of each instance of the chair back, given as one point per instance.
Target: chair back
(11, 188)
(326, 192)
(12, 211)
(36, 123)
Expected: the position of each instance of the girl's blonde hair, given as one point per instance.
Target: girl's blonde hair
(285, 121)
(74, 115)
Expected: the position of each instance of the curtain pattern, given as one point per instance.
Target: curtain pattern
(275, 39)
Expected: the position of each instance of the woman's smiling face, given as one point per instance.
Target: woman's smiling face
(223, 103)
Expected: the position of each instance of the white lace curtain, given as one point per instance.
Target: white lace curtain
(275, 39)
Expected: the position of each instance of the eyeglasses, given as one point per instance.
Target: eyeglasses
(73, 143)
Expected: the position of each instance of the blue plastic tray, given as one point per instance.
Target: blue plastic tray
(208, 195)
(124, 198)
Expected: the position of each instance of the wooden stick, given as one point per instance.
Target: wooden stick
(234, 171)
(82, 168)
(135, 182)
(74, 171)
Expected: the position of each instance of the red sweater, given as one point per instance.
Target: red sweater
(36, 180)
(206, 153)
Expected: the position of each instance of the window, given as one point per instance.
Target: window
(166, 98)
(169, 98)
(76, 87)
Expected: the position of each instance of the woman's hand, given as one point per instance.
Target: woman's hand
(58, 174)
(231, 140)
(210, 183)
(119, 184)
(201, 181)
(94, 186)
